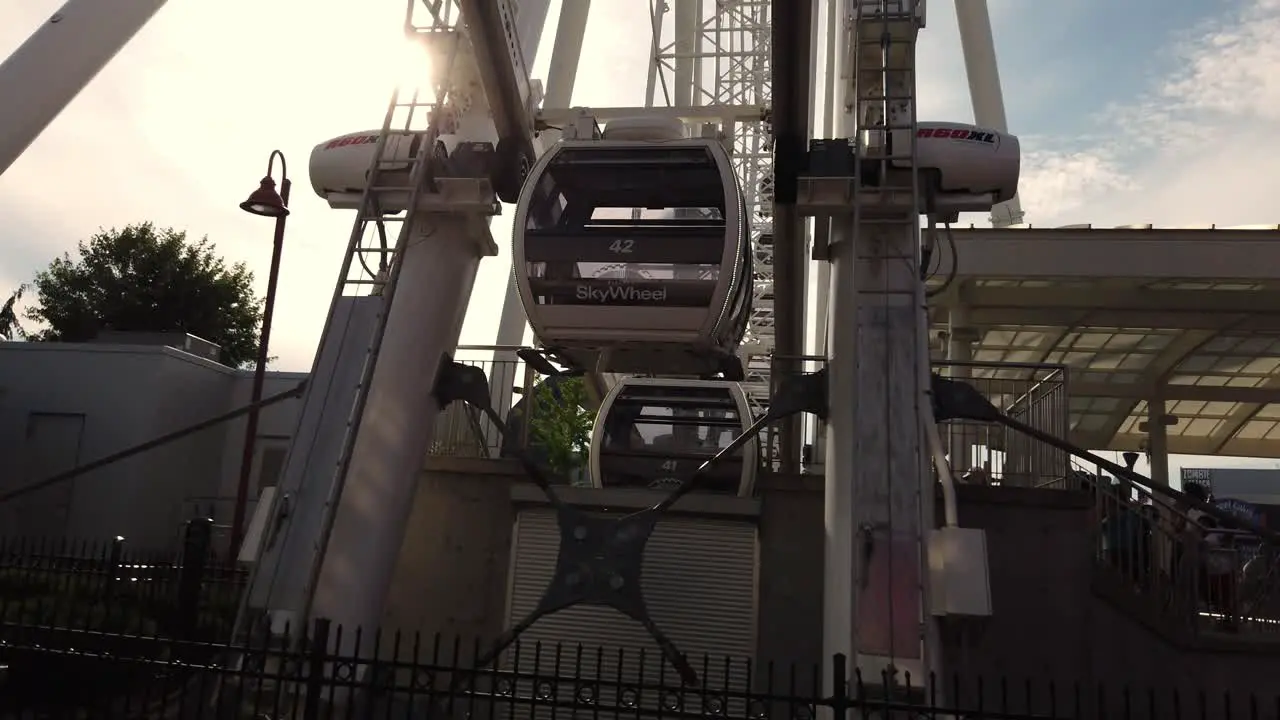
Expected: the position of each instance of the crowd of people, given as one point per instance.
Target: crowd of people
(1173, 549)
(1178, 550)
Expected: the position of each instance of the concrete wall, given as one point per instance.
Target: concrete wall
(1049, 627)
(124, 396)
(276, 425)
(451, 577)
(1044, 588)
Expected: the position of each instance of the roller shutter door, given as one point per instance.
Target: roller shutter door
(699, 582)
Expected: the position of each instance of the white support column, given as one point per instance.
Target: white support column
(50, 69)
(531, 20)
(878, 490)
(686, 46)
(371, 507)
(566, 53)
(513, 326)
(983, 71)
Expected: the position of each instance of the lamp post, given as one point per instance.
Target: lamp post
(264, 201)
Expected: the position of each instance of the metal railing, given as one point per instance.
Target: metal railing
(106, 586)
(462, 432)
(1032, 393)
(537, 411)
(1192, 572)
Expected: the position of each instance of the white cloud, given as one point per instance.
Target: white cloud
(1055, 183)
(1198, 147)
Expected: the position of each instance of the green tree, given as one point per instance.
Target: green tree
(10, 328)
(560, 424)
(148, 279)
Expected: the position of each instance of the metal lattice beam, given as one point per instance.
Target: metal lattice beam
(723, 53)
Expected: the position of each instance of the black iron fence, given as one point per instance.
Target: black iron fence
(107, 587)
(54, 672)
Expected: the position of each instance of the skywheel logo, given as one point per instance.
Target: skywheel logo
(620, 293)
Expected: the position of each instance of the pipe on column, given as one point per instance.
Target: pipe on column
(983, 72)
(831, 109)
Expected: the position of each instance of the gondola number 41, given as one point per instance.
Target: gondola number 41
(669, 466)
(622, 246)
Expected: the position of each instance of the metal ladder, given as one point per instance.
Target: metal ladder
(884, 76)
(886, 232)
(392, 181)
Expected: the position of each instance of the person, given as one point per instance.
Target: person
(1219, 589)
(977, 475)
(1215, 569)
(1184, 565)
(1122, 528)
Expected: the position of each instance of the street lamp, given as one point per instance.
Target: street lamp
(264, 201)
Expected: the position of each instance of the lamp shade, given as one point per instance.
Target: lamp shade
(265, 201)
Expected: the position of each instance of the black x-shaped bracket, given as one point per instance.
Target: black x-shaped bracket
(600, 559)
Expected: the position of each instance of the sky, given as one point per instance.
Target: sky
(1142, 111)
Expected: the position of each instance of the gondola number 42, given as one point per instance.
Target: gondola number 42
(622, 247)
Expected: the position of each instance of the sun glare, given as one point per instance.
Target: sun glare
(409, 65)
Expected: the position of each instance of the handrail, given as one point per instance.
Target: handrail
(1058, 378)
(1136, 479)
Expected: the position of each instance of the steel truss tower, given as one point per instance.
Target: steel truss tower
(713, 58)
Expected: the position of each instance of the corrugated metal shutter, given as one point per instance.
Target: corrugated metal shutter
(700, 585)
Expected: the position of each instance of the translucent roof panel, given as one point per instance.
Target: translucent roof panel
(1211, 340)
(1112, 369)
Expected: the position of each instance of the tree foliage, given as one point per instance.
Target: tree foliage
(147, 279)
(10, 327)
(560, 425)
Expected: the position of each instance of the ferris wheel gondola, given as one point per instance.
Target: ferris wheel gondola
(653, 433)
(667, 218)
